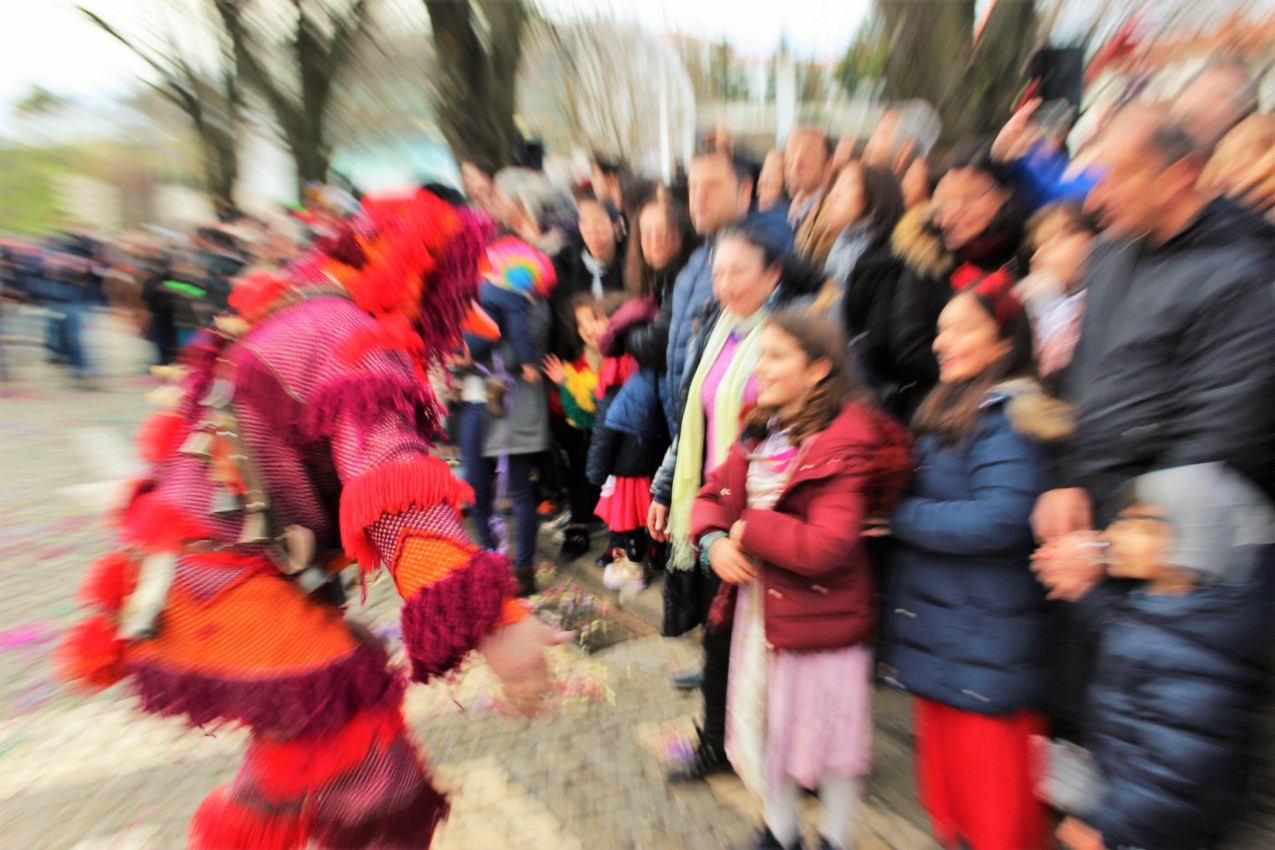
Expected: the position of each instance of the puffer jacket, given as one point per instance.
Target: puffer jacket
(630, 436)
(1173, 711)
(817, 579)
(965, 618)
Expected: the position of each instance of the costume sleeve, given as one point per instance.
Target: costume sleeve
(400, 507)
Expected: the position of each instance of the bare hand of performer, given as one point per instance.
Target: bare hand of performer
(516, 654)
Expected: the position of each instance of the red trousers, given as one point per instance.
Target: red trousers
(975, 776)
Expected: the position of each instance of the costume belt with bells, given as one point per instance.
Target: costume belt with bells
(219, 443)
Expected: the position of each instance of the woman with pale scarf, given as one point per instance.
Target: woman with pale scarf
(750, 280)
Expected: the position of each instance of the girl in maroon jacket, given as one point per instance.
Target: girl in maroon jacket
(780, 522)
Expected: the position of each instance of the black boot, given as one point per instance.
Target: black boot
(766, 840)
(575, 542)
(526, 577)
(707, 760)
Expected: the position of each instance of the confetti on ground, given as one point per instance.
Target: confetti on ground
(28, 634)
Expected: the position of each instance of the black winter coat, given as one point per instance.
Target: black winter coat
(924, 287)
(866, 308)
(574, 279)
(619, 451)
(1176, 359)
(1173, 709)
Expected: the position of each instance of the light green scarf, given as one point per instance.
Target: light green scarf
(688, 475)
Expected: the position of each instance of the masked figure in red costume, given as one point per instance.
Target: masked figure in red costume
(301, 438)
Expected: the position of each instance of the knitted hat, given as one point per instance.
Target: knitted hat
(514, 265)
(1213, 510)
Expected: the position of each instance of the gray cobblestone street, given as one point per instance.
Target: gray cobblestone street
(92, 773)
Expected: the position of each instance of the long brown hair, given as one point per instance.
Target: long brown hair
(819, 339)
(640, 278)
(951, 411)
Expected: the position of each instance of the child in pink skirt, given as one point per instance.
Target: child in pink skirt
(629, 440)
(780, 521)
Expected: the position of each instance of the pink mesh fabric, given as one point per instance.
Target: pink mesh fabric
(292, 354)
(386, 533)
(203, 580)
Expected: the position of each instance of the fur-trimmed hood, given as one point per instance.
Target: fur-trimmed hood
(919, 245)
(1032, 412)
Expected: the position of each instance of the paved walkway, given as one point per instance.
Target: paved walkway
(92, 774)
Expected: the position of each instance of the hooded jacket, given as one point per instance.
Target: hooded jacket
(817, 579)
(1176, 359)
(965, 618)
(1173, 708)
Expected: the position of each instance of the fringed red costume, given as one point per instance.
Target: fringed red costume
(302, 432)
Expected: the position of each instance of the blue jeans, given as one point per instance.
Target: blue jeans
(480, 474)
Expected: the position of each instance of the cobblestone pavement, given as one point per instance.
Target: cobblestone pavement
(93, 774)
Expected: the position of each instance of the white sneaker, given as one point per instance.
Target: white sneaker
(623, 574)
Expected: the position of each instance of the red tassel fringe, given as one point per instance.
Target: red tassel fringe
(317, 702)
(255, 293)
(160, 436)
(412, 826)
(109, 580)
(157, 526)
(443, 622)
(393, 489)
(368, 398)
(290, 768)
(91, 654)
(223, 824)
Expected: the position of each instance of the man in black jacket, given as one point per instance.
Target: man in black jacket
(1176, 360)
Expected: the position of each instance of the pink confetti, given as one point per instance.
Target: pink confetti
(30, 633)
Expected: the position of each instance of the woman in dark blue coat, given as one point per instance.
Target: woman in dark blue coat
(965, 617)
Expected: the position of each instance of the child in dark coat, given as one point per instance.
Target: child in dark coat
(627, 447)
(1178, 678)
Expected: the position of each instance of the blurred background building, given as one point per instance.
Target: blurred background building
(240, 104)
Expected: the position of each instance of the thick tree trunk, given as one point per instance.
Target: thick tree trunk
(932, 56)
(221, 166)
(476, 92)
(312, 158)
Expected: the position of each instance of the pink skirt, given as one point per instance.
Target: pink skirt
(625, 503)
(818, 708)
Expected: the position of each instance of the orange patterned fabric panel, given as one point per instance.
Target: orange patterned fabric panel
(424, 557)
(262, 626)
